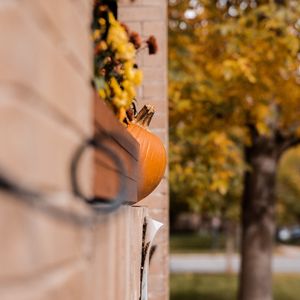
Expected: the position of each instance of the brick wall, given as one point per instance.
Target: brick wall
(46, 110)
(149, 17)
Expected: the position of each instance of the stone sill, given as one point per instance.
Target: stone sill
(106, 174)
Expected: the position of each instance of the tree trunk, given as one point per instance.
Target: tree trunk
(258, 224)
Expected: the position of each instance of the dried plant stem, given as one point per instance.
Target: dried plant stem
(145, 115)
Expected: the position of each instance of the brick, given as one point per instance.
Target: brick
(160, 36)
(154, 201)
(83, 6)
(107, 185)
(161, 190)
(163, 135)
(122, 144)
(129, 249)
(122, 254)
(59, 24)
(160, 104)
(160, 58)
(154, 2)
(116, 262)
(141, 13)
(156, 285)
(163, 255)
(155, 28)
(73, 287)
(126, 3)
(135, 26)
(38, 241)
(67, 281)
(49, 113)
(103, 262)
(161, 240)
(160, 121)
(161, 215)
(136, 233)
(160, 296)
(41, 67)
(154, 90)
(154, 74)
(108, 176)
(163, 187)
(156, 60)
(106, 122)
(158, 260)
(38, 148)
(162, 237)
(139, 93)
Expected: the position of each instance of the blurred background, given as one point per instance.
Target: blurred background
(234, 161)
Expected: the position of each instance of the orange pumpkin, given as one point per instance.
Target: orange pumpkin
(152, 155)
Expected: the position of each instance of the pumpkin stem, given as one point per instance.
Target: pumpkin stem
(145, 115)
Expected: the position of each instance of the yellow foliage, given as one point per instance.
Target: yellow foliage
(231, 78)
(116, 76)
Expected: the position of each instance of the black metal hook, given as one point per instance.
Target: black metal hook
(98, 203)
(41, 202)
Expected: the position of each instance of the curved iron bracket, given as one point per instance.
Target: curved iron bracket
(99, 203)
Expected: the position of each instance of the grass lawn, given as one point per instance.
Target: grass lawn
(224, 287)
(195, 243)
(204, 242)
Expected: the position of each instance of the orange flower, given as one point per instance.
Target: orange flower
(152, 45)
(135, 39)
(126, 28)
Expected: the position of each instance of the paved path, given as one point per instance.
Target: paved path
(216, 263)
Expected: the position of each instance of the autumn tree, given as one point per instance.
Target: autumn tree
(288, 188)
(235, 84)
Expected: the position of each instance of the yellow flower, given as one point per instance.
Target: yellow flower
(120, 101)
(116, 34)
(121, 50)
(102, 93)
(128, 70)
(122, 114)
(102, 21)
(112, 19)
(125, 99)
(119, 93)
(103, 45)
(138, 77)
(107, 89)
(96, 34)
(129, 88)
(115, 86)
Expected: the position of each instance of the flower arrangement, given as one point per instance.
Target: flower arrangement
(116, 74)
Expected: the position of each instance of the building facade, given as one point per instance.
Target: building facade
(55, 246)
